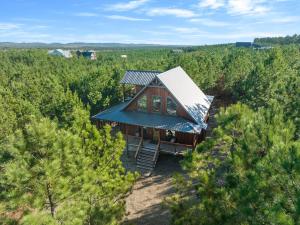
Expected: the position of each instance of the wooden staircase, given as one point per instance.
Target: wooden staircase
(146, 157)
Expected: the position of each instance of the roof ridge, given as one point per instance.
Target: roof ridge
(156, 71)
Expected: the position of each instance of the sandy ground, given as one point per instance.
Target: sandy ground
(144, 204)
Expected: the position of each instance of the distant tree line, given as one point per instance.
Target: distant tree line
(295, 39)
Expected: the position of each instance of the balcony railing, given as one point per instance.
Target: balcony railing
(165, 146)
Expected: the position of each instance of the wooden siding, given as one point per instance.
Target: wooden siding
(163, 93)
(182, 138)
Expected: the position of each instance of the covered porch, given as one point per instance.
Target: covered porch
(167, 141)
(149, 134)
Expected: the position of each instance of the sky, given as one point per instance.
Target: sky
(183, 22)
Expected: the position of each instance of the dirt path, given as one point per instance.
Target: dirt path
(144, 205)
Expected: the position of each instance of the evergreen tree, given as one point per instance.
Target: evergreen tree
(65, 176)
(247, 174)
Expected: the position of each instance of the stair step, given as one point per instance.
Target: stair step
(145, 160)
(143, 155)
(146, 152)
(152, 151)
(145, 168)
(146, 164)
(146, 155)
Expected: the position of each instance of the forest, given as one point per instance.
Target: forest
(56, 167)
(295, 39)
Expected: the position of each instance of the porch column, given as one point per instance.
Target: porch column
(126, 132)
(195, 141)
(158, 136)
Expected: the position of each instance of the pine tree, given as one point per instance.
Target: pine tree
(247, 174)
(66, 176)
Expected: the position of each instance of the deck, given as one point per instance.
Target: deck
(165, 147)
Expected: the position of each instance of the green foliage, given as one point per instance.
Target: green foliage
(56, 167)
(48, 145)
(74, 176)
(295, 39)
(247, 174)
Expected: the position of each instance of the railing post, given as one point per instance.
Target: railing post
(157, 149)
(127, 148)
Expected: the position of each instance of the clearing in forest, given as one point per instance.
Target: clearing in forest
(144, 204)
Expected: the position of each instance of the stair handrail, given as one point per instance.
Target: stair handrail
(156, 152)
(138, 148)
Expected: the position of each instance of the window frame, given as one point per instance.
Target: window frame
(137, 104)
(176, 106)
(160, 108)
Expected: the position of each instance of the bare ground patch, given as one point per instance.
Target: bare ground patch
(144, 204)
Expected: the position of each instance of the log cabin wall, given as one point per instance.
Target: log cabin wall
(184, 138)
(131, 129)
(163, 93)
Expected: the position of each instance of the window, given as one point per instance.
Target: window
(142, 103)
(156, 104)
(171, 106)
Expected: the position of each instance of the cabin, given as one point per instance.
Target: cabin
(60, 52)
(91, 54)
(166, 112)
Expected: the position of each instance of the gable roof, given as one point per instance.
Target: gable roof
(138, 77)
(187, 93)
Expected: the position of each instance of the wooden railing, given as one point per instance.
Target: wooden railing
(156, 152)
(174, 148)
(138, 148)
(176, 144)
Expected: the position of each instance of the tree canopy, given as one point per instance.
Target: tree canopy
(56, 167)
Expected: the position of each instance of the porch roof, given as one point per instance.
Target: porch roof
(158, 121)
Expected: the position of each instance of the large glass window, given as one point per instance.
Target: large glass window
(142, 103)
(156, 103)
(171, 106)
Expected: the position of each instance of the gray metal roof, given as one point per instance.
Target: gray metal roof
(138, 77)
(187, 93)
(183, 89)
(153, 120)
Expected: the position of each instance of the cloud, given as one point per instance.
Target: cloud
(239, 7)
(182, 30)
(209, 22)
(127, 6)
(9, 26)
(119, 17)
(86, 14)
(177, 12)
(214, 4)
